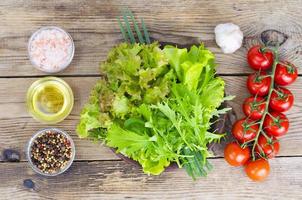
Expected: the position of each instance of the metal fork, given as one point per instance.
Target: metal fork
(127, 31)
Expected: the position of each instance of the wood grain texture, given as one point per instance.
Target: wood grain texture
(119, 180)
(94, 28)
(97, 172)
(17, 126)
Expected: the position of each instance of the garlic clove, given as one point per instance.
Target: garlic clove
(228, 37)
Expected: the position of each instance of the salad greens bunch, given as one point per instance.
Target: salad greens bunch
(156, 106)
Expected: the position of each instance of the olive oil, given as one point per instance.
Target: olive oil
(50, 100)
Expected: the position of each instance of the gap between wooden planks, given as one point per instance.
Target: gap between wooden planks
(17, 126)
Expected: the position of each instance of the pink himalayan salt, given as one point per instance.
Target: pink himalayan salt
(51, 49)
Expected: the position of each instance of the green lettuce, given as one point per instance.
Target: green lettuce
(135, 74)
(156, 106)
(141, 147)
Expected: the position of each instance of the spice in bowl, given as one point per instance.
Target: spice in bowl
(51, 152)
(51, 49)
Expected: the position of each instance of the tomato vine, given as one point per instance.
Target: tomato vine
(265, 122)
(260, 130)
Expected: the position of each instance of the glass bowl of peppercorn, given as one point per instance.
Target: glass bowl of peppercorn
(50, 152)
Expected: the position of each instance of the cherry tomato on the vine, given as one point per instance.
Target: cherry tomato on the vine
(281, 100)
(259, 59)
(244, 130)
(263, 109)
(268, 146)
(254, 107)
(235, 155)
(286, 73)
(258, 84)
(276, 124)
(257, 170)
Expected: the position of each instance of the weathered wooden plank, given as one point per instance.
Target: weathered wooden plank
(94, 28)
(17, 126)
(119, 180)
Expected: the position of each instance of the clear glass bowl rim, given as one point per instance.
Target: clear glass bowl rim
(32, 139)
(34, 35)
(33, 87)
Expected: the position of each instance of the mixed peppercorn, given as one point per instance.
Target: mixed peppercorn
(51, 152)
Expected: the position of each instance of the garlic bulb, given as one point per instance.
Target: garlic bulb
(228, 37)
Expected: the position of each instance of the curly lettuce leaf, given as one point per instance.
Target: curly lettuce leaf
(93, 116)
(136, 74)
(194, 102)
(155, 106)
(120, 106)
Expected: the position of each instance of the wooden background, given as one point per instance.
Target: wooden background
(97, 173)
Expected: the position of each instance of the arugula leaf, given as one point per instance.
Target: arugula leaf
(155, 106)
(194, 102)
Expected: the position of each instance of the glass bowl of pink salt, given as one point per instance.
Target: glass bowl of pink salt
(51, 49)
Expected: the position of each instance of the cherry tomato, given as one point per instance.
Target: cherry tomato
(281, 100)
(286, 73)
(253, 107)
(244, 130)
(235, 155)
(258, 84)
(269, 147)
(257, 170)
(277, 125)
(258, 59)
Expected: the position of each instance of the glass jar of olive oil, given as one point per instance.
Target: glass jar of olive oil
(49, 100)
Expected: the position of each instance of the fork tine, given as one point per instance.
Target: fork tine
(138, 32)
(145, 31)
(122, 29)
(130, 33)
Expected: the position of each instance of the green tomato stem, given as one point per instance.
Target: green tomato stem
(265, 135)
(276, 60)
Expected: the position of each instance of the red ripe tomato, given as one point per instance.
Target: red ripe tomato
(244, 130)
(253, 107)
(258, 84)
(235, 155)
(281, 100)
(269, 147)
(276, 124)
(286, 73)
(257, 170)
(258, 59)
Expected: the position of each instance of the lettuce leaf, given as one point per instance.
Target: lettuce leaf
(155, 106)
(139, 147)
(195, 100)
(93, 116)
(135, 74)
